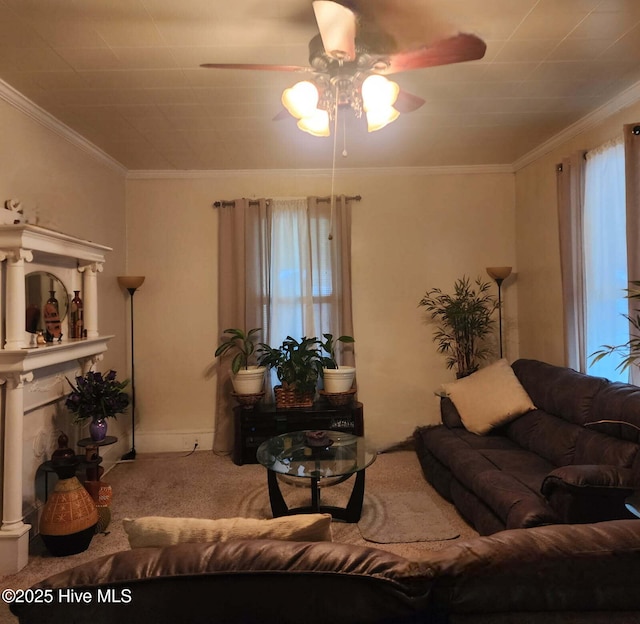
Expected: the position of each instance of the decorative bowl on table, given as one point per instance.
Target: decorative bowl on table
(317, 440)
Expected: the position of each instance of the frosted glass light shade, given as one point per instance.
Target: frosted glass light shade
(500, 273)
(130, 281)
(316, 124)
(337, 25)
(378, 118)
(301, 100)
(379, 92)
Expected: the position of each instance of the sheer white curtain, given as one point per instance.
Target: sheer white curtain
(605, 256)
(291, 272)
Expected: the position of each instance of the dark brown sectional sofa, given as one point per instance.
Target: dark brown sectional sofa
(574, 459)
(584, 573)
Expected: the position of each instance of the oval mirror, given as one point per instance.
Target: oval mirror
(47, 304)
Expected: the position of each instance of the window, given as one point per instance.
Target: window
(279, 270)
(605, 257)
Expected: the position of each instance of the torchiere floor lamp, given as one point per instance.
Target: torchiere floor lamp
(499, 274)
(131, 283)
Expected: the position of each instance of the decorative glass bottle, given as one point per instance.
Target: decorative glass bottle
(75, 317)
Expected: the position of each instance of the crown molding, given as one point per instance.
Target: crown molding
(627, 98)
(351, 171)
(18, 101)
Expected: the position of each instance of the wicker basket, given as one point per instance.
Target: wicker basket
(339, 399)
(248, 401)
(289, 397)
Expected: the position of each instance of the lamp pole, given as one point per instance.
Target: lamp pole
(499, 274)
(132, 283)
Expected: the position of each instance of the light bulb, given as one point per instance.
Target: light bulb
(380, 117)
(301, 100)
(378, 92)
(316, 124)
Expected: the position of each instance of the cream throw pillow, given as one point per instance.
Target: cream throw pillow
(156, 531)
(490, 397)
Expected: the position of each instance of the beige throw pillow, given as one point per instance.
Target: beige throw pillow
(156, 531)
(490, 397)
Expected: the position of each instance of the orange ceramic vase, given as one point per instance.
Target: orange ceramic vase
(69, 516)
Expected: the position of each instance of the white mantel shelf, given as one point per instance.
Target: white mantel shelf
(20, 245)
(24, 360)
(36, 238)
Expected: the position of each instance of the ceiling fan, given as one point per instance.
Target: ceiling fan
(348, 65)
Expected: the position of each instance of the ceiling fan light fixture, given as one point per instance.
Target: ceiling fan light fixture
(337, 25)
(379, 93)
(301, 100)
(378, 118)
(316, 124)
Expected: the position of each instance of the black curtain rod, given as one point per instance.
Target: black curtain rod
(232, 202)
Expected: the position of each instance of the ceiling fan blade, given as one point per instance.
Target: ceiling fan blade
(283, 114)
(256, 66)
(461, 47)
(407, 102)
(337, 25)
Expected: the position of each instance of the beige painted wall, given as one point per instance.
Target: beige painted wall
(67, 189)
(537, 242)
(411, 232)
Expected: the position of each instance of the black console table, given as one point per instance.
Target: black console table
(256, 424)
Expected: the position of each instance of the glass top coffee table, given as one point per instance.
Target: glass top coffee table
(323, 458)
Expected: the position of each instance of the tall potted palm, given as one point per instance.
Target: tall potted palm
(463, 321)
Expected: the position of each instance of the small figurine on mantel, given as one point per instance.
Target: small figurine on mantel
(52, 322)
(12, 213)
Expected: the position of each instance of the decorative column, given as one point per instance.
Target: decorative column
(14, 533)
(90, 302)
(15, 293)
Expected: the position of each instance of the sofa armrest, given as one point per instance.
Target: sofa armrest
(589, 493)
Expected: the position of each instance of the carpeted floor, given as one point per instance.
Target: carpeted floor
(204, 485)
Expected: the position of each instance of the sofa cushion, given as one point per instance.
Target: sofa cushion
(489, 397)
(157, 531)
(546, 435)
(597, 448)
(616, 412)
(557, 390)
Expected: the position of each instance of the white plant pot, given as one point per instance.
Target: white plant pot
(338, 380)
(248, 381)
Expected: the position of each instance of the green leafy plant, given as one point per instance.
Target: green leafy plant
(464, 319)
(630, 349)
(97, 396)
(297, 363)
(329, 346)
(242, 342)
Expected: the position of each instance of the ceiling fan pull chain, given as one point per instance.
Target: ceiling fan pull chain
(344, 137)
(332, 199)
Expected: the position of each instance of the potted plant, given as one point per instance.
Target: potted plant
(464, 319)
(630, 349)
(97, 397)
(298, 365)
(337, 379)
(246, 378)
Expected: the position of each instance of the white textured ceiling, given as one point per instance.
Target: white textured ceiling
(125, 74)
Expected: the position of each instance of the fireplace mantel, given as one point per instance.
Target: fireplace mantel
(82, 260)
